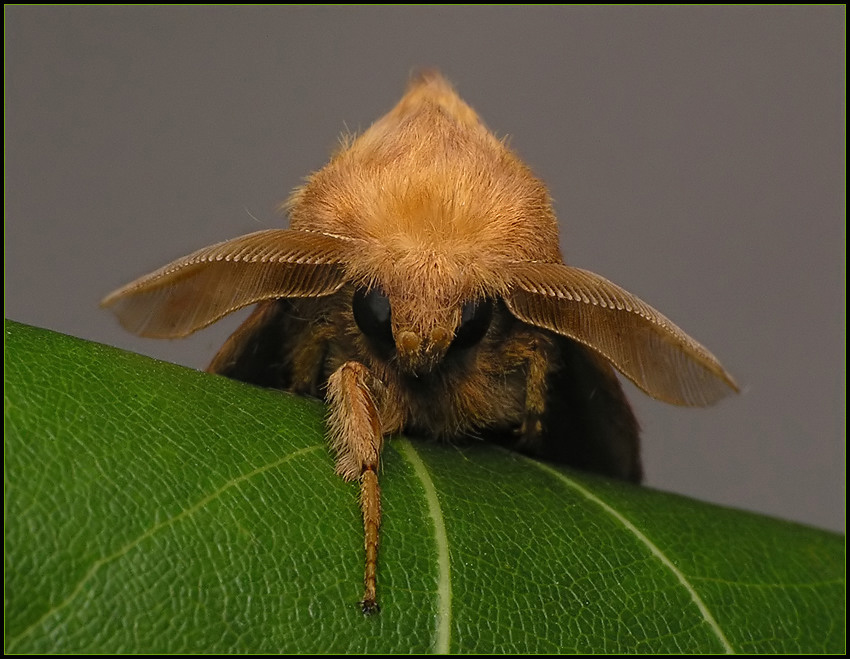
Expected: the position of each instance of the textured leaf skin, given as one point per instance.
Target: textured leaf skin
(150, 508)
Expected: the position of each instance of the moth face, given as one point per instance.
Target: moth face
(414, 343)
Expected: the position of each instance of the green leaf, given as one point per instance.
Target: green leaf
(151, 509)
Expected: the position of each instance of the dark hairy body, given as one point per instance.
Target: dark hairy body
(522, 387)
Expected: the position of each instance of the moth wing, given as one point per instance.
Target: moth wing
(201, 288)
(636, 339)
(588, 422)
(256, 352)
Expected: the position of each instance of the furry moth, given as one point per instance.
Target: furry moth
(421, 289)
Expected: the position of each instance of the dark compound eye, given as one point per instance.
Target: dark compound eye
(475, 320)
(373, 316)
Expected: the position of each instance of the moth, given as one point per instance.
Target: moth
(421, 289)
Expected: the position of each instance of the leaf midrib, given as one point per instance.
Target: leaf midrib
(442, 632)
(444, 613)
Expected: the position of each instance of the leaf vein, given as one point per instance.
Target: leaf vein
(771, 585)
(198, 505)
(654, 549)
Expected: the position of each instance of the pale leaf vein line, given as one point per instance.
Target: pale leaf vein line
(442, 638)
(183, 514)
(653, 548)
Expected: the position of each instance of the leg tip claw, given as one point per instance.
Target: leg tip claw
(369, 607)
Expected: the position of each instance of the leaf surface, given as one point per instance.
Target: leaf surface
(150, 509)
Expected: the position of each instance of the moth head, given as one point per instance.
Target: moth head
(418, 348)
(423, 309)
(437, 207)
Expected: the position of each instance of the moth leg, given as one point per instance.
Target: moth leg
(308, 360)
(535, 393)
(356, 439)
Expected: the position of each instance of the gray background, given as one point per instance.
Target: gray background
(696, 156)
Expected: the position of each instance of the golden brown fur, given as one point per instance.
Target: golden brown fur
(440, 205)
(420, 289)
